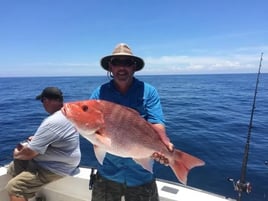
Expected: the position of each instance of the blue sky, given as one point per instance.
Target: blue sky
(69, 37)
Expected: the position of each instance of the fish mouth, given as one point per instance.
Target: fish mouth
(66, 112)
(70, 112)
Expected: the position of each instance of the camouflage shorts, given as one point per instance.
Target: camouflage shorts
(28, 178)
(106, 190)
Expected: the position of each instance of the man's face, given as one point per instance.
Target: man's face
(122, 68)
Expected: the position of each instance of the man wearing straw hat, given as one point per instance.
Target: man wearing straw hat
(119, 176)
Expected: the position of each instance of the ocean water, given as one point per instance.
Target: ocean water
(206, 115)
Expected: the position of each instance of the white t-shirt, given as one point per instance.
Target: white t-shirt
(57, 142)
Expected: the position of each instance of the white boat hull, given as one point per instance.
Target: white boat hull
(76, 188)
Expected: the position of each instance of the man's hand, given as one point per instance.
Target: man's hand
(159, 157)
(170, 146)
(22, 152)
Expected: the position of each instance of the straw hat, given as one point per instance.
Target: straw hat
(122, 49)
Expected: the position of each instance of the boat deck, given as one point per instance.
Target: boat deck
(76, 188)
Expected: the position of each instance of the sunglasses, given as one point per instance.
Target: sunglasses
(122, 62)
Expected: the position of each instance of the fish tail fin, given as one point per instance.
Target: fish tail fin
(183, 163)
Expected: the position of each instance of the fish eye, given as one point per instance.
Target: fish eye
(85, 108)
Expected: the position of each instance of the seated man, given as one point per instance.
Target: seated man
(51, 153)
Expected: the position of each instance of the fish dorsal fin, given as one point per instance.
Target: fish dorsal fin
(99, 153)
(146, 163)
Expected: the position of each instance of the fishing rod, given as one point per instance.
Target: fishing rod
(242, 185)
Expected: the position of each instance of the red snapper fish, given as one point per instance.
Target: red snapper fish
(121, 131)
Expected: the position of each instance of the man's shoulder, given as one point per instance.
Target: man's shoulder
(96, 92)
(57, 122)
(58, 114)
(149, 88)
(105, 85)
(143, 83)
(56, 117)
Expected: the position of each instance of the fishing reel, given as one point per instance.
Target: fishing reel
(241, 186)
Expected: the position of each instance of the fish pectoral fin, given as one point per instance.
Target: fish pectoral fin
(146, 163)
(99, 153)
(103, 139)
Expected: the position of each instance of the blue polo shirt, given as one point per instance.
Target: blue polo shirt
(144, 98)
